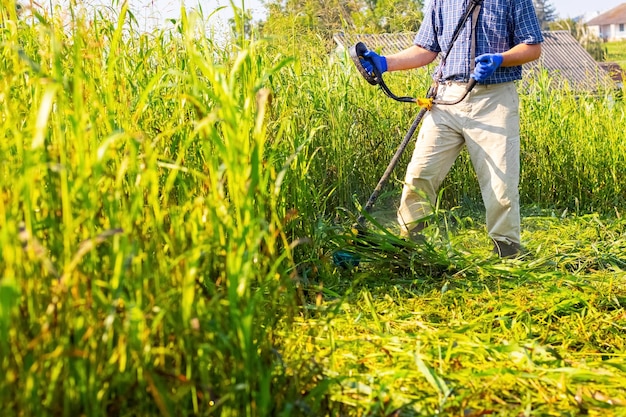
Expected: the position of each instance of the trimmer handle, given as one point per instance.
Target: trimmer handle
(470, 85)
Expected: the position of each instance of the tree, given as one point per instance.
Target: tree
(241, 23)
(391, 16)
(327, 17)
(546, 12)
(323, 16)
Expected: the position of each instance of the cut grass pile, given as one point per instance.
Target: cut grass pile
(533, 337)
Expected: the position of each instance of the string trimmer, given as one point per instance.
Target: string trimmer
(346, 258)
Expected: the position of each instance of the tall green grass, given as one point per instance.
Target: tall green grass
(573, 153)
(145, 264)
(572, 156)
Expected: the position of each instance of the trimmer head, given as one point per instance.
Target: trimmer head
(356, 53)
(346, 259)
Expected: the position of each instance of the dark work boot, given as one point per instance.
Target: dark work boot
(506, 250)
(415, 235)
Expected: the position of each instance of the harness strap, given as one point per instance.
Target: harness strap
(472, 10)
(473, 46)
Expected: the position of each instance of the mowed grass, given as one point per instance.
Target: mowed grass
(543, 335)
(169, 210)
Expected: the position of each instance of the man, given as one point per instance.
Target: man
(507, 35)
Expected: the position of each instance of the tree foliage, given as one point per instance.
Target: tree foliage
(389, 16)
(546, 12)
(323, 18)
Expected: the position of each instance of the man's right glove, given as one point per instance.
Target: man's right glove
(372, 60)
(486, 65)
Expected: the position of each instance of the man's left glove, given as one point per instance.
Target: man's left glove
(372, 60)
(486, 65)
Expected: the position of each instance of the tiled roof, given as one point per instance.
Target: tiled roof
(565, 60)
(614, 16)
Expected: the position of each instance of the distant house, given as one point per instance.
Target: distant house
(566, 62)
(611, 25)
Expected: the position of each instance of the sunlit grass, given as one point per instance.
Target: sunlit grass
(141, 233)
(538, 336)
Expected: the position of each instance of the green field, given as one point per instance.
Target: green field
(169, 211)
(616, 52)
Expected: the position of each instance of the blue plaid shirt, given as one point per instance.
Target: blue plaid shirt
(502, 24)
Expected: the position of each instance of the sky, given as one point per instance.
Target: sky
(162, 9)
(574, 8)
(564, 8)
(157, 11)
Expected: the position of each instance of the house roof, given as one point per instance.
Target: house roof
(565, 60)
(614, 16)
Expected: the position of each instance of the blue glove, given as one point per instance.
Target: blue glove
(373, 60)
(486, 65)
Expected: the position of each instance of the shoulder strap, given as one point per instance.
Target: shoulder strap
(473, 46)
(473, 9)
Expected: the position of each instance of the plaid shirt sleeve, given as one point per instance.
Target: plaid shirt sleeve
(502, 24)
(427, 36)
(527, 29)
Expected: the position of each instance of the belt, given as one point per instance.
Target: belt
(457, 82)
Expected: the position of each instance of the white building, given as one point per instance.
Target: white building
(611, 25)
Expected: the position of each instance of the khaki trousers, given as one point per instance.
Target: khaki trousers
(487, 123)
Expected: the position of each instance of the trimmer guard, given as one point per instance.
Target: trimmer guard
(356, 53)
